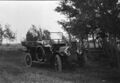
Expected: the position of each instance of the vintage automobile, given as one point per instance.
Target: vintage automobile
(56, 54)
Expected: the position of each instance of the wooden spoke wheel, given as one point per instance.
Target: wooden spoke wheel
(28, 60)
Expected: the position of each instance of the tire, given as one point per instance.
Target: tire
(58, 63)
(28, 60)
(40, 53)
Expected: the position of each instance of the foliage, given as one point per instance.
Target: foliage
(64, 39)
(102, 14)
(6, 33)
(35, 34)
(99, 18)
(46, 35)
(40, 34)
(32, 34)
(1, 34)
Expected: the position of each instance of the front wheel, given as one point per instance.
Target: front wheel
(28, 60)
(58, 63)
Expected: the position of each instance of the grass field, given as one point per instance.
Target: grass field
(13, 70)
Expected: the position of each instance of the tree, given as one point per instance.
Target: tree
(1, 34)
(40, 34)
(102, 14)
(35, 34)
(32, 34)
(78, 18)
(98, 14)
(46, 35)
(6, 33)
(65, 39)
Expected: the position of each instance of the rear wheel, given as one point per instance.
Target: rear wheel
(58, 63)
(40, 54)
(28, 60)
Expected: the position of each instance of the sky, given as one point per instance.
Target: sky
(22, 14)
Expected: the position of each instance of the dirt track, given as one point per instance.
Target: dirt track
(13, 70)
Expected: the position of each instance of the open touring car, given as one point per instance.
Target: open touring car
(56, 54)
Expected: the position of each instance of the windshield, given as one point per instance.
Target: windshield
(56, 37)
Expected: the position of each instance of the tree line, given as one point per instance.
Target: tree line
(39, 34)
(97, 18)
(35, 34)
